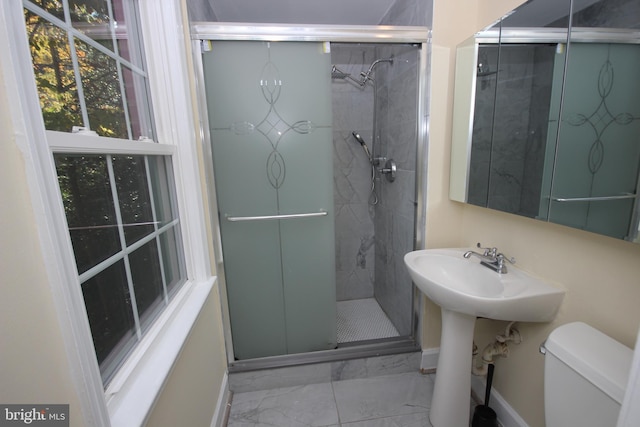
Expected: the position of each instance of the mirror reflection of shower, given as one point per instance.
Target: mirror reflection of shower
(365, 76)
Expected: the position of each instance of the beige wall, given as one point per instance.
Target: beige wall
(191, 393)
(600, 275)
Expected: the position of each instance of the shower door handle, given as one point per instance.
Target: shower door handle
(270, 217)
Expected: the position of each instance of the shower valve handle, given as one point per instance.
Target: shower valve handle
(389, 170)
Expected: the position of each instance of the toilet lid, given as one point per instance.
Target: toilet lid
(600, 359)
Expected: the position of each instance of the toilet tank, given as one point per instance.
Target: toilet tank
(585, 377)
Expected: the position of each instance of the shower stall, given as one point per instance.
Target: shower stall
(316, 141)
(375, 202)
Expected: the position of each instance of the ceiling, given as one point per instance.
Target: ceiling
(338, 12)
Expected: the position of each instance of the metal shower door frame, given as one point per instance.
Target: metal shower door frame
(201, 32)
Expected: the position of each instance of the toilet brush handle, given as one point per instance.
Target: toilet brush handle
(487, 392)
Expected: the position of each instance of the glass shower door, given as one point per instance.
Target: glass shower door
(269, 106)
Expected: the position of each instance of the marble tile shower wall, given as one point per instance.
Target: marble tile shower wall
(353, 110)
(609, 14)
(409, 12)
(396, 138)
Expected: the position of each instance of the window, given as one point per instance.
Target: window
(124, 233)
(116, 184)
(88, 60)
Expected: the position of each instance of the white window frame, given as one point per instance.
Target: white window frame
(133, 391)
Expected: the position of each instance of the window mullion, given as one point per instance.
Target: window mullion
(125, 103)
(155, 228)
(76, 66)
(99, 268)
(123, 243)
(114, 40)
(146, 239)
(136, 56)
(112, 30)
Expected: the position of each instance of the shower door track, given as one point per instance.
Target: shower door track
(347, 351)
(203, 32)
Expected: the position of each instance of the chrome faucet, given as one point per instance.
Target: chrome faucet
(491, 258)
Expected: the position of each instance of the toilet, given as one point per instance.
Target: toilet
(585, 377)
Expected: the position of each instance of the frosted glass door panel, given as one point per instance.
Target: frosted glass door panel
(269, 110)
(309, 269)
(598, 151)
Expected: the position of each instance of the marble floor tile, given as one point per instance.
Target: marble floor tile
(311, 405)
(420, 419)
(397, 400)
(384, 396)
(375, 366)
(289, 376)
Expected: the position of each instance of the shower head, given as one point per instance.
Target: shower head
(358, 138)
(336, 73)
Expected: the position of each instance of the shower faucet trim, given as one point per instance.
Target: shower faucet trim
(365, 76)
(373, 197)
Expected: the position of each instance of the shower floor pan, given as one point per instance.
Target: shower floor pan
(362, 319)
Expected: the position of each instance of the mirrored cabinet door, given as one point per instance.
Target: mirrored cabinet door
(548, 126)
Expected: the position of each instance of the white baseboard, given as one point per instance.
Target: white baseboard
(429, 360)
(223, 404)
(507, 416)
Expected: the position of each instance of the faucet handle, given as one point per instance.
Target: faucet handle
(502, 257)
(487, 251)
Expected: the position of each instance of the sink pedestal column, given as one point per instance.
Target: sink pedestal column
(450, 405)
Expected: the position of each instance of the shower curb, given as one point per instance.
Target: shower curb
(314, 373)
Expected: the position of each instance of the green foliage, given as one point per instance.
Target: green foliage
(58, 85)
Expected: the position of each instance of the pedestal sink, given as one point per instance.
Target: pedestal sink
(466, 290)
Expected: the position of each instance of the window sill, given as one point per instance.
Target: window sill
(132, 393)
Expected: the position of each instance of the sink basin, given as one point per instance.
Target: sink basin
(465, 290)
(465, 286)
